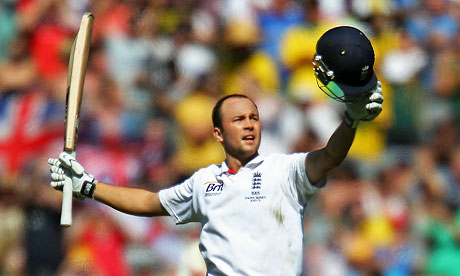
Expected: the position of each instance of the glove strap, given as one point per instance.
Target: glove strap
(350, 122)
(88, 187)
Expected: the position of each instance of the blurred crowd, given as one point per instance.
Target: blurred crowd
(155, 70)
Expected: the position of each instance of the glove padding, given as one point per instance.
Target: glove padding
(368, 107)
(66, 168)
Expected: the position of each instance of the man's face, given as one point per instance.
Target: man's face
(240, 133)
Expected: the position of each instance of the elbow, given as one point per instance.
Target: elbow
(333, 160)
(319, 163)
(153, 206)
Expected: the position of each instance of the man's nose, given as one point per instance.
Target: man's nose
(248, 124)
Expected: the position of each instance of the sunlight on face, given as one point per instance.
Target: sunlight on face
(240, 133)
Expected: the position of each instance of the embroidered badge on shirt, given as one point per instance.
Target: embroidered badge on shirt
(256, 186)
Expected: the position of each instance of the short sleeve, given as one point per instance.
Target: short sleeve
(178, 201)
(299, 179)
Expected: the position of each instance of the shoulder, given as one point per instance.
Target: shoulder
(274, 157)
(205, 172)
(281, 161)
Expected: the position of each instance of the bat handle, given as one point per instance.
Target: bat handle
(66, 212)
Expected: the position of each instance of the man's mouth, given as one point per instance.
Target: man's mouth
(249, 137)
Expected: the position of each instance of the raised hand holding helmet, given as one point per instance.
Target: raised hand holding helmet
(343, 65)
(366, 108)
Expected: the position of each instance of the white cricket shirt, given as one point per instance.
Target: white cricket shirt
(252, 220)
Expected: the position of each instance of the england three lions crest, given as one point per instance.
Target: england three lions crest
(256, 186)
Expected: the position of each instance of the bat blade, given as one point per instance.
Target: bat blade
(75, 81)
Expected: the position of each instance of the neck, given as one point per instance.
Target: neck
(235, 163)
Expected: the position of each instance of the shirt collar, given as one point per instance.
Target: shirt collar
(253, 163)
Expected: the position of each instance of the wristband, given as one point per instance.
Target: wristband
(87, 188)
(350, 122)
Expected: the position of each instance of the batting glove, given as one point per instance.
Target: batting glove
(65, 169)
(365, 108)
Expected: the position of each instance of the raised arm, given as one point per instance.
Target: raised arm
(128, 200)
(318, 163)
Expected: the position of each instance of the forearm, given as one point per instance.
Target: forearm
(339, 144)
(129, 200)
(318, 163)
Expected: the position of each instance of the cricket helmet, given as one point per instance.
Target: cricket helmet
(344, 63)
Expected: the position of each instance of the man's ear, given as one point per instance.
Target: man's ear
(218, 134)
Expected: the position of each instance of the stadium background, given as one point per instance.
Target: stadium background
(155, 70)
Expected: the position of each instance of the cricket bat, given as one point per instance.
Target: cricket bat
(75, 81)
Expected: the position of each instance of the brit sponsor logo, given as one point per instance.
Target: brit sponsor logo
(213, 188)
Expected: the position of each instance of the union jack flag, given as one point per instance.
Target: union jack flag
(29, 124)
(116, 166)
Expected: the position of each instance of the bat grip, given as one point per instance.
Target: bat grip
(66, 212)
